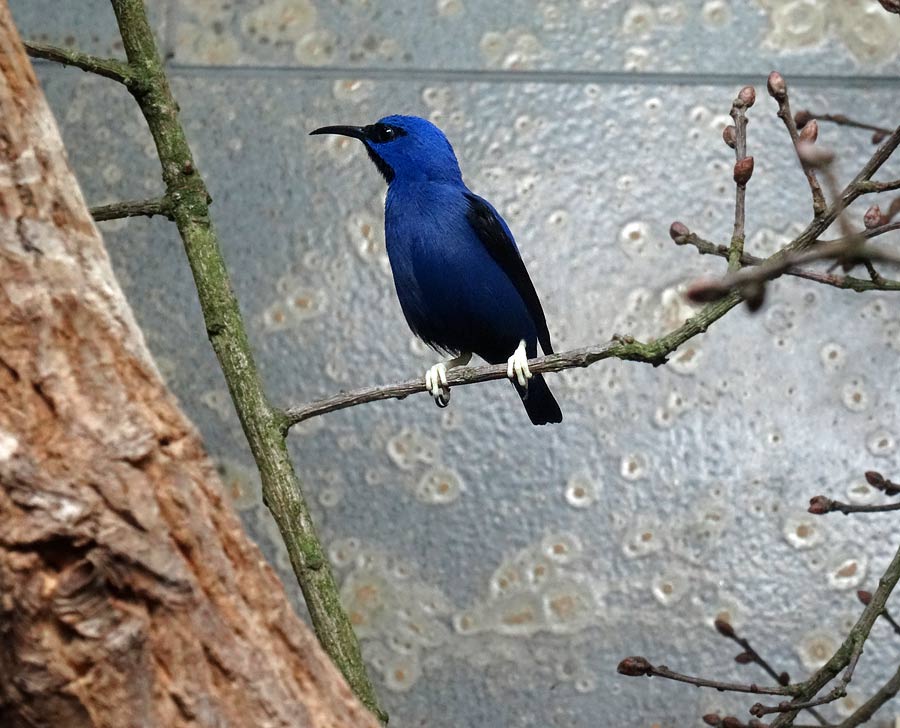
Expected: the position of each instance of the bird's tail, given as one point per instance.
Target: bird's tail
(539, 403)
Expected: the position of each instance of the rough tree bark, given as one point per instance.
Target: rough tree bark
(129, 593)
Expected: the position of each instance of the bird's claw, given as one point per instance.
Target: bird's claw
(436, 384)
(517, 366)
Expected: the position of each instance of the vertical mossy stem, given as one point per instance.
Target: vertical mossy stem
(262, 424)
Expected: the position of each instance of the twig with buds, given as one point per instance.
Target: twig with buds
(804, 695)
(850, 250)
(751, 656)
(836, 693)
(682, 236)
(777, 87)
(820, 504)
(749, 282)
(641, 666)
(803, 117)
(736, 136)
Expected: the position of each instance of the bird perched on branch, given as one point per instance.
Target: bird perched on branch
(462, 284)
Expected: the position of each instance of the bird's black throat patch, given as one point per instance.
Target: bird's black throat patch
(386, 170)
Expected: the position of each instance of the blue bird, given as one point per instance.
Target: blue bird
(462, 284)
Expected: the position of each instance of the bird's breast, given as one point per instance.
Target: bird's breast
(452, 292)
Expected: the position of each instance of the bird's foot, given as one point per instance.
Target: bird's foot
(517, 366)
(436, 384)
(436, 378)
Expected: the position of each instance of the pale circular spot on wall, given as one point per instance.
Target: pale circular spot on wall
(833, 356)
(639, 19)
(881, 443)
(715, 13)
(846, 573)
(580, 491)
(633, 466)
(855, 395)
(816, 648)
(802, 531)
(439, 486)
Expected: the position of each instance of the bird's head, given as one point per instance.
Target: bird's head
(405, 148)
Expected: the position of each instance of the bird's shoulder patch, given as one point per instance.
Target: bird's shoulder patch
(497, 239)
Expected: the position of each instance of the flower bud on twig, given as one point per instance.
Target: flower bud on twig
(748, 96)
(810, 132)
(678, 231)
(712, 719)
(864, 596)
(819, 505)
(634, 667)
(874, 478)
(723, 628)
(776, 86)
(873, 217)
(743, 170)
(729, 136)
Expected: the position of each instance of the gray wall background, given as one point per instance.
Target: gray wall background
(507, 596)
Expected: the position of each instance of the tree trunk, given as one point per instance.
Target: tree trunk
(129, 593)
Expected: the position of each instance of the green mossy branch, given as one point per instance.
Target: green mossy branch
(111, 68)
(851, 646)
(654, 352)
(186, 201)
(133, 208)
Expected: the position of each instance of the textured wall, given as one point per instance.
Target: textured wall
(498, 572)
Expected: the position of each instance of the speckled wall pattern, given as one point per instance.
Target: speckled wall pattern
(497, 572)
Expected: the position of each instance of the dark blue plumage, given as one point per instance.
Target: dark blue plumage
(462, 284)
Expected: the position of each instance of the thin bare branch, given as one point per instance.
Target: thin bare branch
(802, 118)
(821, 504)
(778, 90)
(811, 234)
(743, 170)
(836, 693)
(111, 68)
(750, 655)
(893, 184)
(849, 650)
(844, 250)
(885, 693)
(133, 208)
(654, 352)
(705, 247)
(640, 666)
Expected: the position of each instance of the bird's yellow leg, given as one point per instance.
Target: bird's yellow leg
(436, 378)
(517, 366)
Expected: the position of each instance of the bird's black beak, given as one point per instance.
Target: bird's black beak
(357, 132)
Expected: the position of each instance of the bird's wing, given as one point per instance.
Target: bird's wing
(494, 234)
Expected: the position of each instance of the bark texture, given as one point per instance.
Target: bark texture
(129, 593)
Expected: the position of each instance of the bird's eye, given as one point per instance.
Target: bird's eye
(381, 133)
